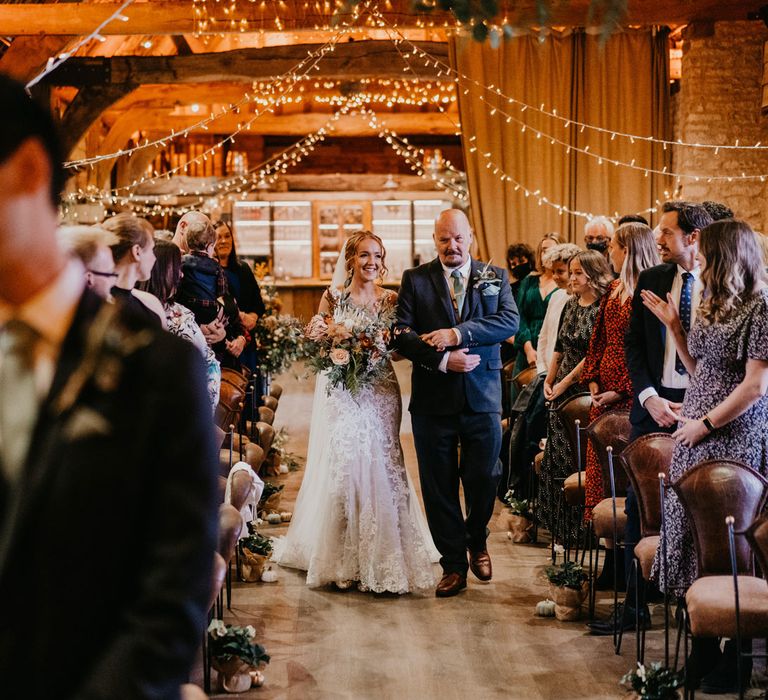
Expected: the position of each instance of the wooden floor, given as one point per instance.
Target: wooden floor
(484, 643)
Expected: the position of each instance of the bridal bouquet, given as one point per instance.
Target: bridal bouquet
(350, 343)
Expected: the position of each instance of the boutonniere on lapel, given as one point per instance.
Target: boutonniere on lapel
(108, 344)
(487, 282)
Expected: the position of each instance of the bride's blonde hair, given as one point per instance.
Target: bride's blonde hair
(350, 251)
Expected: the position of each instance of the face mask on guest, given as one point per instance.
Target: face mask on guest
(599, 246)
(520, 271)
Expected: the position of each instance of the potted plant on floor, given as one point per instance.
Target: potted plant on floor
(519, 517)
(234, 653)
(254, 553)
(568, 588)
(270, 499)
(656, 682)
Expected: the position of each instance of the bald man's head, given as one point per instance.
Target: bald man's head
(191, 222)
(453, 237)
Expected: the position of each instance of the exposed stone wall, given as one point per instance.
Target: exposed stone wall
(719, 102)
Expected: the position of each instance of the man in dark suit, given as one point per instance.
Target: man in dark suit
(453, 313)
(658, 377)
(107, 461)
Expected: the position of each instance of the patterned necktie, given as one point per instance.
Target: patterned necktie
(458, 290)
(18, 395)
(686, 296)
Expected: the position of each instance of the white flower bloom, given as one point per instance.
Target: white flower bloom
(217, 629)
(251, 630)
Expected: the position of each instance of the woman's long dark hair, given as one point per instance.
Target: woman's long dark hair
(166, 274)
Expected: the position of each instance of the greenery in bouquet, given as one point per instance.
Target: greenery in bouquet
(569, 574)
(278, 337)
(229, 641)
(518, 506)
(350, 344)
(256, 543)
(656, 682)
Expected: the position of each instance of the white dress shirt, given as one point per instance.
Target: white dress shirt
(545, 348)
(670, 378)
(465, 270)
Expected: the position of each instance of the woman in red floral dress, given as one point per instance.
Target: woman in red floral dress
(632, 250)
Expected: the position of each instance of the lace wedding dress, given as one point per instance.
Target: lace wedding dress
(357, 517)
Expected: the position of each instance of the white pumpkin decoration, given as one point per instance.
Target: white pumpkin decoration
(274, 519)
(269, 575)
(285, 516)
(257, 679)
(545, 608)
(282, 469)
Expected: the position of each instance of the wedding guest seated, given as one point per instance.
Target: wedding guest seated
(204, 291)
(134, 256)
(91, 244)
(717, 210)
(532, 299)
(163, 283)
(589, 279)
(598, 232)
(725, 409)
(632, 250)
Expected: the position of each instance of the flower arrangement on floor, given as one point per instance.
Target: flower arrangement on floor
(519, 518)
(567, 585)
(270, 498)
(656, 682)
(279, 460)
(349, 343)
(254, 550)
(234, 654)
(278, 337)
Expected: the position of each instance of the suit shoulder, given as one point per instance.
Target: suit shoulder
(653, 273)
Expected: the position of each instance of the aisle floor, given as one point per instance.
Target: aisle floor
(485, 643)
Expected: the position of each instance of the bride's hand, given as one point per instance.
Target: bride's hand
(665, 311)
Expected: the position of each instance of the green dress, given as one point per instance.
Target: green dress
(532, 310)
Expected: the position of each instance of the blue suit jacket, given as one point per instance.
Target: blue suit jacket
(425, 305)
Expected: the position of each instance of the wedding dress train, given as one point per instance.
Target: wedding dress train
(357, 517)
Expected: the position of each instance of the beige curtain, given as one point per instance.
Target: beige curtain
(620, 85)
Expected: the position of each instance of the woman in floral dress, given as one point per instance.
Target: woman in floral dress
(725, 411)
(589, 280)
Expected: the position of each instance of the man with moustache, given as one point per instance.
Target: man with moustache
(659, 378)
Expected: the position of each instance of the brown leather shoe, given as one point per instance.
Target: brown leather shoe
(450, 585)
(480, 564)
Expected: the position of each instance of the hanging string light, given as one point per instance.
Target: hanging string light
(53, 63)
(448, 70)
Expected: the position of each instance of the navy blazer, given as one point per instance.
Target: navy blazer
(646, 335)
(425, 305)
(107, 556)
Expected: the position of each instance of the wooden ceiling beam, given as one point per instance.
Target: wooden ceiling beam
(348, 61)
(175, 16)
(171, 17)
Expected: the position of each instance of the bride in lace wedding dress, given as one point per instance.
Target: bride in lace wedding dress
(357, 517)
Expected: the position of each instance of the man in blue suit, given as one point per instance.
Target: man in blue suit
(452, 314)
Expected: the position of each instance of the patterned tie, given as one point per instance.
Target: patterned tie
(686, 294)
(458, 290)
(18, 395)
